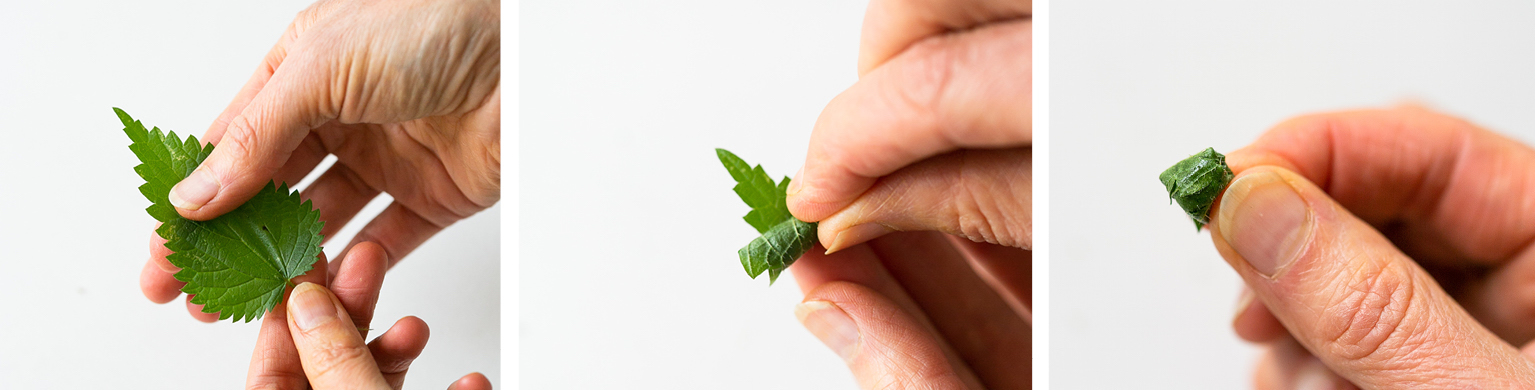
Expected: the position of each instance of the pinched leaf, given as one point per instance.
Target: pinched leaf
(238, 264)
(1195, 182)
(784, 239)
(757, 189)
(779, 247)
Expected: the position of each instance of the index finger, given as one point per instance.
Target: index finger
(1443, 188)
(971, 91)
(891, 26)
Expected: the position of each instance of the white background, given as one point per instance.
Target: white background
(1141, 301)
(75, 234)
(629, 270)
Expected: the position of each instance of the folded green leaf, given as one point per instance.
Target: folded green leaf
(238, 264)
(784, 239)
(779, 247)
(1195, 182)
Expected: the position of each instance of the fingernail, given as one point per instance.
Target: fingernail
(830, 324)
(855, 235)
(194, 191)
(794, 184)
(1265, 220)
(310, 307)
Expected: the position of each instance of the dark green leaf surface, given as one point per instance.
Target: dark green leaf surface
(238, 264)
(779, 247)
(784, 239)
(1195, 182)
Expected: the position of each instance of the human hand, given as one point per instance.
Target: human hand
(935, 136)
(922, 310)
(330, 354)
(405, 94)
(1405, 266)
(935, 77)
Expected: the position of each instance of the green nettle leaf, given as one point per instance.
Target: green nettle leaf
(784, 239)
(1195, 182)
(238, 264)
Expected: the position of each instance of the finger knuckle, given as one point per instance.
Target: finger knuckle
(335, 360)
(241, 138)
(928, 72)
(983, 209)
(1367, 319)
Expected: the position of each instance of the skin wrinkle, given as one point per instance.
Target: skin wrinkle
(462, 212)
(972, 221)
(242, 143)
(1405, 335)
(331, 357)
(980, 218)
(999, 219)
(906, 349)
(1376, 307)
(457, 213)
(350, 88)
(896, 350)
(344, 145)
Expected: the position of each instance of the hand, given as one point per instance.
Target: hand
(922, 310)
(330, 354)
(940, 76)
(1406, 264)
(935, 136)
(405, 94)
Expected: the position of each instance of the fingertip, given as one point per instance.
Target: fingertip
(367, 252)
(842, 238)
(332, 350)
(807, 207)
(415, 325)
(407, 334)
(155, 286)
(399, 346)
(472, 381)
(795, 184)
(197, 313)
(814, 194)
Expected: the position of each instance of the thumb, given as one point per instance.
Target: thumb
(254, 146)
(1369, 312)
(881, 343)
(332, 352)
(982, 195)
